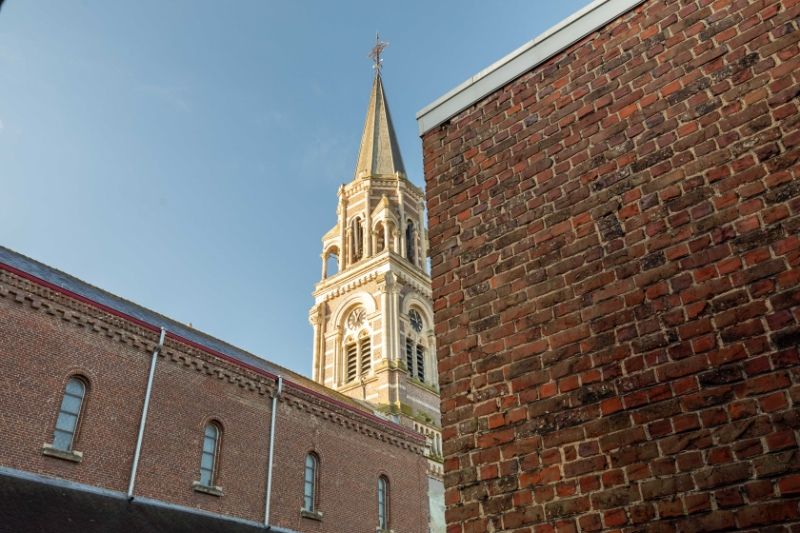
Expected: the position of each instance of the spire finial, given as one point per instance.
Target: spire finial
(375, 54)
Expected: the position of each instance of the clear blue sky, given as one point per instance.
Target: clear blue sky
(186, 154)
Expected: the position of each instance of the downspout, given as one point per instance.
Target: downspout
(147, 394)
(273, 417)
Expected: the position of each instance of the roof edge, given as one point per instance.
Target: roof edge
(68, 484)
(528, 56)
(387, 424)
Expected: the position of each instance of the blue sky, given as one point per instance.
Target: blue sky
(186, 154)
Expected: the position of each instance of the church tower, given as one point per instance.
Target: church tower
(373, 316)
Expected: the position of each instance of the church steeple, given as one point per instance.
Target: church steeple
(379, 154)
(373, 312)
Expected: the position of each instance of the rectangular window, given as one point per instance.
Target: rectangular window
(352, 361)
(420, 362)
(410, 356)
(366, 355)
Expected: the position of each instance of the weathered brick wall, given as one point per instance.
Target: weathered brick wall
(45, 337)
(615, 258)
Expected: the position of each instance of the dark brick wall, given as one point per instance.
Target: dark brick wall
(615, 258)
(45, 337)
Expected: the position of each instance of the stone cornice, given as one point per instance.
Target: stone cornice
(370, 270)
(382, 184)
(57, 304)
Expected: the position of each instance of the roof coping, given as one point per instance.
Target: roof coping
(531, 54)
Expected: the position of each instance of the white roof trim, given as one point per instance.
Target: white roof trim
(551, 42)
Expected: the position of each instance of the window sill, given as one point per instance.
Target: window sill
(205, 489)
(311, 515)
(67, 455)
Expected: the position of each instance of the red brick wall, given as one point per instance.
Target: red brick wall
(615, 258)
(45, 337)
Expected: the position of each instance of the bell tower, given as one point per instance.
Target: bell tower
(372, 314)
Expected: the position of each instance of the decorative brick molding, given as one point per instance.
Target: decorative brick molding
(53, 303)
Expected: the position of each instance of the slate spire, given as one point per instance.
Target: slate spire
(379, 154)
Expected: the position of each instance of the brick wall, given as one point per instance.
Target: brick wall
(615, 256)
(45, 337)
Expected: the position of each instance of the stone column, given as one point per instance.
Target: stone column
(395, 306)
(432, 361)
(342, 212)
(313, 317)
(385, 322)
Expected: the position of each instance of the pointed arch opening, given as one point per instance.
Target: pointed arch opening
(411, 237)
(380, 238)
(357, 239)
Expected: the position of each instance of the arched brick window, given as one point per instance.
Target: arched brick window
(212, 437)
(383, 503)
(310, 483)
(69, 414)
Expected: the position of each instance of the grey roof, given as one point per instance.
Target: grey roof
(86, 290)
(34, 503)
(120, 305)
(379, 154)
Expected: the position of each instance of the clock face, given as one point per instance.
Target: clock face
(416, 320)
(356, 318)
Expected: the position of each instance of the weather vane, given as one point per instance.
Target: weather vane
(375, 54)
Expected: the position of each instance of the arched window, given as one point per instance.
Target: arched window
(357, 233)
(209, 457)
(380, 238)
(383, 503)
(69, 414)
(310, 483)
(410, 242)
(331, 266)
(415, 350)
(357, 346)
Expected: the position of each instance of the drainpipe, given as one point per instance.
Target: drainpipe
(273, 417)
(147, 393)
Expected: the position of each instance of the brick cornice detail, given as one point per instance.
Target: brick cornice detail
(55, 304)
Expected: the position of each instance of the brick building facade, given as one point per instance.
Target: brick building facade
(614, 216)
(54, 328)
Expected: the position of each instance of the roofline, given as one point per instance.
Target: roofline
(227, 358)
(68, 484)
(528, 56)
